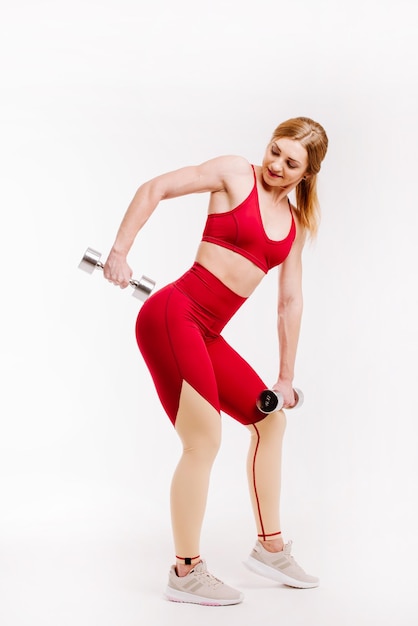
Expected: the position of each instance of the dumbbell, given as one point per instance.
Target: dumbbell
(91, 261)
(269, 400)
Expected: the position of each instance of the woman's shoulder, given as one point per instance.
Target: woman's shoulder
(235, 170)
(237, 176)
(231, 164)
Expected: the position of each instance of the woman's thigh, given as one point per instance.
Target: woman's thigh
(173, 346)
(238, 383)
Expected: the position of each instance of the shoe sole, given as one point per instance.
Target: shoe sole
(181, 596)
(274, 574)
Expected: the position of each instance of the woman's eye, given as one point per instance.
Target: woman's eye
(291, 165)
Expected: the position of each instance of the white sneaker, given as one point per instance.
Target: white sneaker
(280, 566)
(200, 587)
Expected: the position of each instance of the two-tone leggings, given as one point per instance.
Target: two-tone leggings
(197, 374)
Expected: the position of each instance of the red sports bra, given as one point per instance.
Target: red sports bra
(242, 231)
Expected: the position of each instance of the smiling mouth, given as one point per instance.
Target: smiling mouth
(273, 175)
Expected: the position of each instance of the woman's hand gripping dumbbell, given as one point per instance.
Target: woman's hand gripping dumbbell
(91, 261)
(270, 400)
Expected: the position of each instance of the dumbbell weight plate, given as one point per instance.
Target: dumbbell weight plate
(90, 261)
(142, 287)
(269, 400)
(300, 398)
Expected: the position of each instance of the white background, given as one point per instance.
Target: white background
(97, 97)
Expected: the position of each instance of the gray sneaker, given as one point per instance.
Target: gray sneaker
(280, 566)
(200, 587)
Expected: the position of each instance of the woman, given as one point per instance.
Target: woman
(251, 227)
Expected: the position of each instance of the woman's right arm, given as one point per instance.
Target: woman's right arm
(211, 176)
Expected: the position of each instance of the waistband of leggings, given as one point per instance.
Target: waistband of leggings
(209, 292)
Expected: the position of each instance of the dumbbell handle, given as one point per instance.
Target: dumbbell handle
(91, 261)
(270, 400)
(132, 281)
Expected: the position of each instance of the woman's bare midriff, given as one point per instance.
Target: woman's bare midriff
(234, 270)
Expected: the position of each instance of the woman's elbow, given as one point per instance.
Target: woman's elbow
(290, 304)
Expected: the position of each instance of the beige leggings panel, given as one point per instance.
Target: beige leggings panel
(198, 425)
(264, 473)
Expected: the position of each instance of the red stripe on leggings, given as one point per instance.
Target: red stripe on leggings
(254, 481)
(263, 535)
(183, 558)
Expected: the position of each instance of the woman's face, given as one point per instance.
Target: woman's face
(284, 164)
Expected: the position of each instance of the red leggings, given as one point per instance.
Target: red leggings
(178, 333)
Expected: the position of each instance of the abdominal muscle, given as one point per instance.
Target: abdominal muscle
(235, 271)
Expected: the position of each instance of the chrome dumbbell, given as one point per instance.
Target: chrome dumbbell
(269, 400)
(91, 261)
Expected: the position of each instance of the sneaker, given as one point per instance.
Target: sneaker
(200, 587)
(280, 566)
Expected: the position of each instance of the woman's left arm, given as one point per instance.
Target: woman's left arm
(290, 307)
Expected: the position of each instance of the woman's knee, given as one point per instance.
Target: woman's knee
(202, 444)
(272, 425)
(198, 424)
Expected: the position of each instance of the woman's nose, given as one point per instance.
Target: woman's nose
(277, 166)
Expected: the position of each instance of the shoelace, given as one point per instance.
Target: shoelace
(286, 550)
(211, 580)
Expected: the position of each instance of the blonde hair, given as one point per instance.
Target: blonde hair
(313, 138)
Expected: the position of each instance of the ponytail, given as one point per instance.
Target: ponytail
(307, 205)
